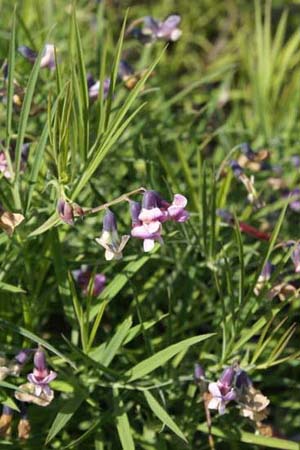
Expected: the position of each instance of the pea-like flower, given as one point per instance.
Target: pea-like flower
(222, 391)
(177, 211)
(94, 87)
(146, 220)
(166, 30)
(37, 390)
(83, 278)
(68, 211)
(110, 240)
(48, 56)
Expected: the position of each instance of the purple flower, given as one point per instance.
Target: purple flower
(226, 216)
(65, 212)
(220, 397)
(176, 210)
(248, 152)
(236, 168)
(222, 391)
(94, 87)
(199, 373)
(48, 56)
(166, 30)
(41, 377)
(242, 380)
(83, 278)
(110, 239)
(296, 257)
(147, 224)
(294, 202)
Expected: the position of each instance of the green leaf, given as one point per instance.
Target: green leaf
(116, 342)
(65, 414)
(153, 362)
(249, 438)
(122, 423)
(163, 415)
(10, 288)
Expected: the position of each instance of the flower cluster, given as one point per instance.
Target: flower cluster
(147, 218)
(89, 283)
(36, 390)
(234, 385)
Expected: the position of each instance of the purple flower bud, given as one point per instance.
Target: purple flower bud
(225, 215)
(27, 53)
(90, 80)
(7, 411)
(151, 199)
(236, 168)
(23, 356)
(227, 377)
(125, 70)
(40, 360)
(109, 221)
(135, 209)
(248, 152)
(296, 257)
(295, 200)
(267, 271)
(199, 373)
(65, 212)
(242, 380)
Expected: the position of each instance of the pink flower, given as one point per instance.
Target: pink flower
(41, 376)
(220, 397)
(83, 277)
(4, 166)
(176, 210)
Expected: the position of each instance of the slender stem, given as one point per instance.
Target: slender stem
(113, 202)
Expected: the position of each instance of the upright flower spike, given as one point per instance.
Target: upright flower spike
(110, 239)
(37, 390)
(83, 278)
(48, 56)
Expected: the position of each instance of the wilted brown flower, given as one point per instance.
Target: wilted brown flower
(253, 404)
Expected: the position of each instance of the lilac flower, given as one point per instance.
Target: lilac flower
(83, 278)
(94, 87)
(220, 397)
(148, 222)
(176, 210)
(296, 257)
(236, 168)
(4, 166)
(37, 390)
(222, 391)
(41, 377)
(225, 215)
(264, 277)
(247, 151)
(110, 239)
(166, 30)
(67, 211)
(48, 56)
(199, 373)
(294, 202)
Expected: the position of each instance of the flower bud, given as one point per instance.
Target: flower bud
(109, 221)
(135, 209)
(65, 212)
(227, 377)
(199, 373)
